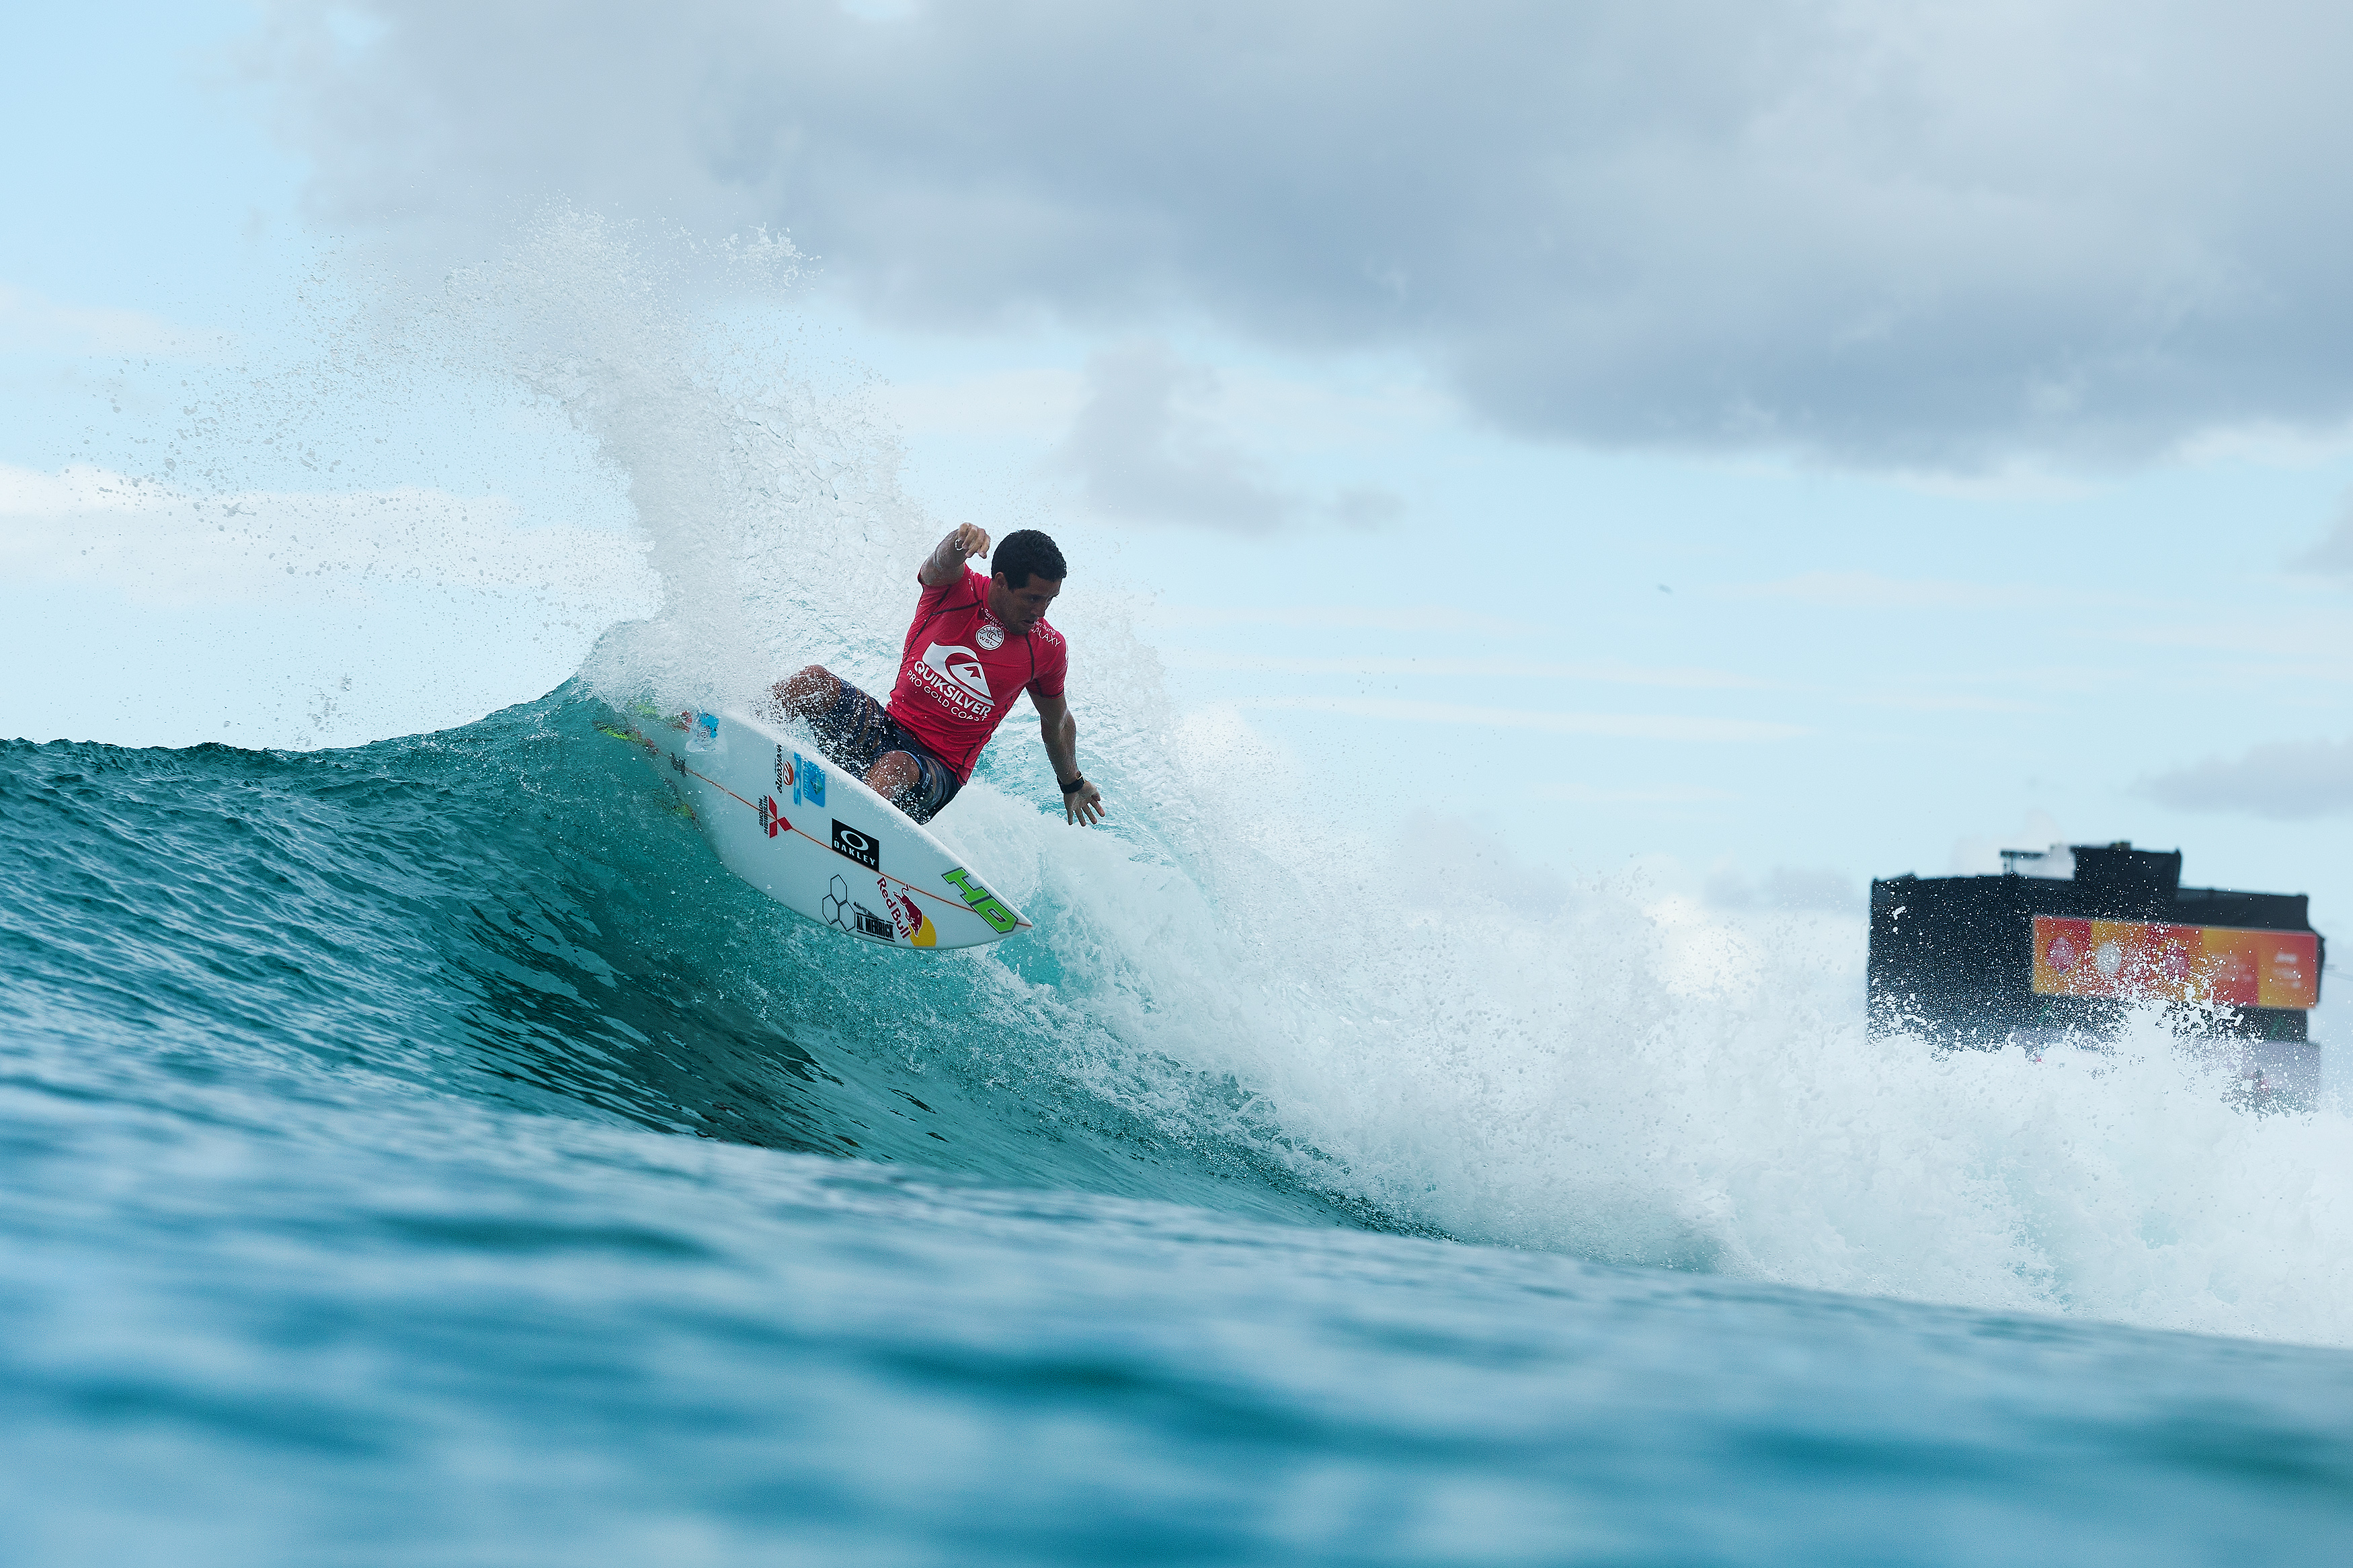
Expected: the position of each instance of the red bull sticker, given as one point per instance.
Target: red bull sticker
(913, 924)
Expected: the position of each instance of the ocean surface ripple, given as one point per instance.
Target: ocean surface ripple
(426, 1153)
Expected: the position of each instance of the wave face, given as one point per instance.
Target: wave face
(426, 1151)
(515, 914)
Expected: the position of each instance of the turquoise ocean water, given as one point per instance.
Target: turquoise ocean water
(425, 1153)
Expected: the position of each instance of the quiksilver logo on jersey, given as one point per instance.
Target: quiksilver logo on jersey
(952, 672)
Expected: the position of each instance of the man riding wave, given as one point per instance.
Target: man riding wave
(975, 644)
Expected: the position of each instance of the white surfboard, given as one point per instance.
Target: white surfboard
(815, 839)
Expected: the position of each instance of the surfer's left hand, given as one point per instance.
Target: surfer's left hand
(1084, 805)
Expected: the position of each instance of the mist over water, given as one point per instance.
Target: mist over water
(374, 1058)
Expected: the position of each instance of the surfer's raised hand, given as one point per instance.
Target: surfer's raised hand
(945, 563)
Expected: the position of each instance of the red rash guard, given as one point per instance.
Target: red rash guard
(962, 669)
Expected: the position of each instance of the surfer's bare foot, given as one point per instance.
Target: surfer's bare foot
(807, 694)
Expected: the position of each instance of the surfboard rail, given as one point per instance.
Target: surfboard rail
(812, 836)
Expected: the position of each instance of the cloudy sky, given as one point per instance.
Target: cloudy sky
(1790, 442)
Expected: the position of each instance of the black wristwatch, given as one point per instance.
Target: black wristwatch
(1078, 781)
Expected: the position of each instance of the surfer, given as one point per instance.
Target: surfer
(975, 644)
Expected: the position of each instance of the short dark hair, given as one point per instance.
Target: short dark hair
(1026, 553)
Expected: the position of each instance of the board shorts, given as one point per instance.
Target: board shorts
(857, 730)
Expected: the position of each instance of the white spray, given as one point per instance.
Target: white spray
(1605, 1075)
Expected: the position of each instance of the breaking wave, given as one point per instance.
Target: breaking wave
(1224, 1002)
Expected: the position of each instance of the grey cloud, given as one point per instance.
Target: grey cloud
(2333, 556)
(1897, 235)
(2289, 781)
(1140, 454)
(1367, 507)
(1783, 888)
(1143, 450)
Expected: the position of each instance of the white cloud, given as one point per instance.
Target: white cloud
(1037, 404)
(1870, 591)
(162, 545)
(1621, 726)
(2270, 444)
(1663, 795)
(141, 614)
(1419, 618)
(1601, 673)
(1916, 236)
(30, 322)
(1949, 703)
(2318, 642)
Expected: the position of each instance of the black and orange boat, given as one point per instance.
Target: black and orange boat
(2063, 940)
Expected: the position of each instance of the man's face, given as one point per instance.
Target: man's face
(1019, 609)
